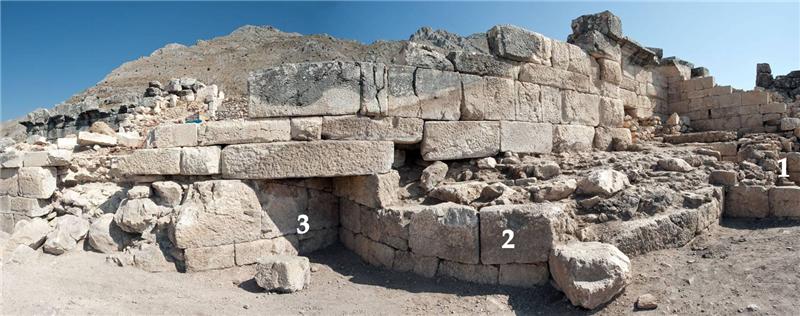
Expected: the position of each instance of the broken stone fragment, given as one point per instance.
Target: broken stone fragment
(283, 274)
(603, 182)
(101, 127)
(432, 175)
(675, 164)
(460, 192)
(31, 233)
(136, 215)
(168, 193)
(519, 44)
(68, 231)
(105, 235)
(589, 273)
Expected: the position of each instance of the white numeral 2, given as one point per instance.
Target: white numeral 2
(783, 168)
(303, 219)
(508, 244)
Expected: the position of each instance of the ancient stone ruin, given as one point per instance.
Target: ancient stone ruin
(500, 158)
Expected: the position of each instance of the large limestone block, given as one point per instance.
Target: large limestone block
(376, 191)
(161, 161)
(784, 202)
(482, 65)
(439, 94)
(405, 261)
(29, 206)
(374, 253)
(448, 231)
(91, 139)
(460, 140)
(747, 201)
(536, 229)
(174, 135)
(307, 159)
(241, 132)
(423, 56)
(537, 103)
(524, 137)
(572, 138)
(49, 158)
(9, 181)
(305, 89)
(281, 205)
(200, 160)
(590, 273)
(604, 137)
(488, 98)
(209, 258)
(581, 108)
(519, 44)
(400, 130)
(283, 274)
(36, 182)
(402, 99)
(523, 275)
(556, 78)
(374, 92)
(218, 212)
(476, 273)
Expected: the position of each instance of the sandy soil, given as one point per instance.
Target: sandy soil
(740, 264)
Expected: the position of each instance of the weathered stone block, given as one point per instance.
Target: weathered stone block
(402, 99)
(476, 273)
(50, 158)
(306, 128)
(376, 191)
(610, 70)
(537, 103)
(439, 94)
(581, 109)
(36, 182)
(318, 239)
(306, 159)
(91, 139)
(374, 92)
(281, 205)
(305, 89)
(612, 112)
(174, 135)
(524, 137)
(557, 78)
(572, 138)
(405, 261)
(590, 273)
(448, 231)
(523, 275)
(373, 252)
(482, 65)
(218, 212)
(284, 274)
(9, 182)
(536, 229)
(488, 98)
(784, 202)
(604, 137)
(400, 130)
(240, 132)
(249, 252)
(200, 160)
(163, 161)
(460, 140)
(722, 177)
(209, 258)
(519, 44)
(747, 201)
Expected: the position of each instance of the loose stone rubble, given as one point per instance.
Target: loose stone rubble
(504, 158)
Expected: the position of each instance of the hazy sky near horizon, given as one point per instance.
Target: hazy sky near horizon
(52, 50)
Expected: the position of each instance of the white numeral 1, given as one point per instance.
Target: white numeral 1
(783, 168)
(303, 219)
(508, 244)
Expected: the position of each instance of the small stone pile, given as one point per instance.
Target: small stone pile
(188, 90)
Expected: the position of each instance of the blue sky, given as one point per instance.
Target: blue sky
(51, 50)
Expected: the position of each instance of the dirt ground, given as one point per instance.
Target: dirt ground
(750, 267)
